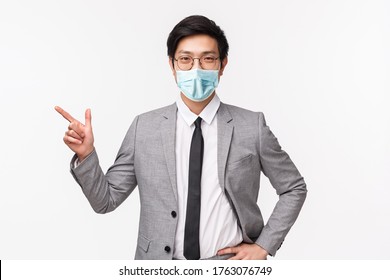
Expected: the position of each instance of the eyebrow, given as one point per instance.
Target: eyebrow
(206, 52)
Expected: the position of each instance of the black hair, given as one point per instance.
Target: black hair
(193, 25)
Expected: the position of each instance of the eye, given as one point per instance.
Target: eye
(185, 59)
(209, 59)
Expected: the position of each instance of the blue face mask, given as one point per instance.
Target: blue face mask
(197, 84)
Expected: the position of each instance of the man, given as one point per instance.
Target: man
(197, 163)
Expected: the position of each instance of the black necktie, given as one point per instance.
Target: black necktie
(191, 232)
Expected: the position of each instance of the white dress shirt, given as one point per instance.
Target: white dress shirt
(218, 225)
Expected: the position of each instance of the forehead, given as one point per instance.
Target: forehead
(197, 44)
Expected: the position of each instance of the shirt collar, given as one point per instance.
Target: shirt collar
(207, 114)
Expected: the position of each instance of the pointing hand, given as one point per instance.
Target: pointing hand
(78, 137)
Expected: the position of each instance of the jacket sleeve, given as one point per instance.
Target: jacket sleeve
(288, 183)
(105, 192)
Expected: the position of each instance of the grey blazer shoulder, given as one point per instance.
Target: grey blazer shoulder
(246, 148)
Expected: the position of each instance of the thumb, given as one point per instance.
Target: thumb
(88, 118)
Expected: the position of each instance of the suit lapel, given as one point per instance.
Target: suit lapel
(168, 137)
(225, 132)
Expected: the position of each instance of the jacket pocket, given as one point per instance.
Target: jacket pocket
(143, 243)
(241, 162)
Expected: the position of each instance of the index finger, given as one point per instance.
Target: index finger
(64, 113)
(228, 250)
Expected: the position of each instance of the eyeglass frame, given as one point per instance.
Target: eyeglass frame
(193, 59)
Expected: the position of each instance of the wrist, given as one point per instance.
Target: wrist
(263, 251)
(83, 156)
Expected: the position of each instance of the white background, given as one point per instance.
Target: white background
(319, 70)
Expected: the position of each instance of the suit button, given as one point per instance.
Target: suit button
(173, 214)
(167, 249)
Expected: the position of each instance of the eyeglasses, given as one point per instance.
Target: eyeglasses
(186, 62)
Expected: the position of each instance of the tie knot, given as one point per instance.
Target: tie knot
(197, 122)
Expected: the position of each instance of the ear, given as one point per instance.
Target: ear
(171, 65)
(224, 63)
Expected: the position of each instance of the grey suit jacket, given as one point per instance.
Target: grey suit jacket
(246, 147)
